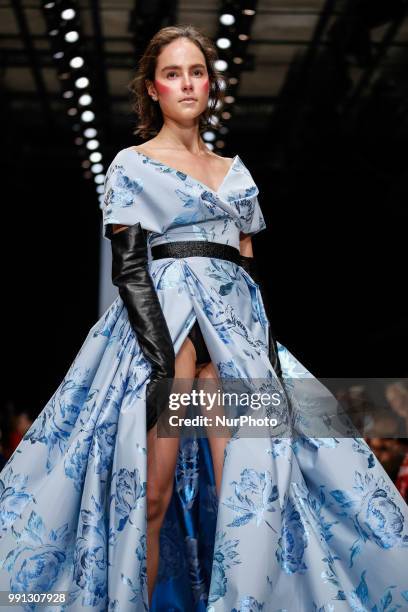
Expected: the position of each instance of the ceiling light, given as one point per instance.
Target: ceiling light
(223, 43)
(227, 19)
(209, 136)
(92, 144)
(88, 116)
(90, 132)
(71, 36)
(95, 156)
(68, 14)
(76, 62)
(82, 82)
(220, 64)
(85, 99)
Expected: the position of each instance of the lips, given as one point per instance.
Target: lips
(192, 99)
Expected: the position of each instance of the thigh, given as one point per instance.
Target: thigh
(162, 452)
(218, 436)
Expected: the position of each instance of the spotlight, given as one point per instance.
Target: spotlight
(90, 132)
(100, 189)
(227, 19)
(229, 99)
(88, 116)
(49, 5)
(97, 168)
(71, 36)
(209, 136)
(100, 198)
(92, 145)
(226, 115)
(210, 146)
(53, 32)
(82, 82)
(85, 99)
(67, 94)
(248, 12)
(68, 14)
(223, 43)
(99, 179)
(58, 55)
(85, 164)
(72, 112)
(233, 81)
(243, 36)
(220, 144)
(95, 157)
(238, 60)
(76, 62)
(221, 65)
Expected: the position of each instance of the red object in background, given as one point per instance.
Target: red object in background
(14, 440)
(402, 478)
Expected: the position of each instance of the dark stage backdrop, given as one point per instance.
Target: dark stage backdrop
(333, 256)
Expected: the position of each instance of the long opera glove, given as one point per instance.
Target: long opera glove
(130, 274)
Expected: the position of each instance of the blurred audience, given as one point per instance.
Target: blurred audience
(385, 429)
(397, 398)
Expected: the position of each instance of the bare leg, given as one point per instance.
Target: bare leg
(161, 463)
(208, 375)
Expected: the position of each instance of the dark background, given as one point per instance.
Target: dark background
(320, 119)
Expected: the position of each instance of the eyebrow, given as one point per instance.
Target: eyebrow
(174, 66)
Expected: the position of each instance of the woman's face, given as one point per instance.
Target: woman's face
(181, 72)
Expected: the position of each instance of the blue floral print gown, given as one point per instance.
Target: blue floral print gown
(301, 524)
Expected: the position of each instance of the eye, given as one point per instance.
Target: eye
(169, 73)
(199, 70)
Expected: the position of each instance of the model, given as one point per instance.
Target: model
(97, 505)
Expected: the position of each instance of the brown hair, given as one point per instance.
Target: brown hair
(148, 111)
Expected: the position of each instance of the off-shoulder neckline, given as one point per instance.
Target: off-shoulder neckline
(206, 187)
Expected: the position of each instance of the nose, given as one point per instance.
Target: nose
(187, 83)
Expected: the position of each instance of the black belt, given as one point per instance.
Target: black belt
(196, 248)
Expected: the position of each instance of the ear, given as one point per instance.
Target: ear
(151, 90)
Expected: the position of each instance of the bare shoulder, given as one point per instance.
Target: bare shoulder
(143, 148)
(222, 159)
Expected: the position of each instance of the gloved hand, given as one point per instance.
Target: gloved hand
(130, 274)
(250, 266)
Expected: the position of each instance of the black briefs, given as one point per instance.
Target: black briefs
(200, 346)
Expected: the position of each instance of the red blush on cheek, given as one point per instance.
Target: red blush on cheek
(162, 88)
(206, 85)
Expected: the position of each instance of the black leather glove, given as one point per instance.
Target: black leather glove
(249, 265)
(130, 274)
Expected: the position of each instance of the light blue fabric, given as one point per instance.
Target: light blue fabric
(302, 524)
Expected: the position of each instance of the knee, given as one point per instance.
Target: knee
(207, 372)
(157, 503)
